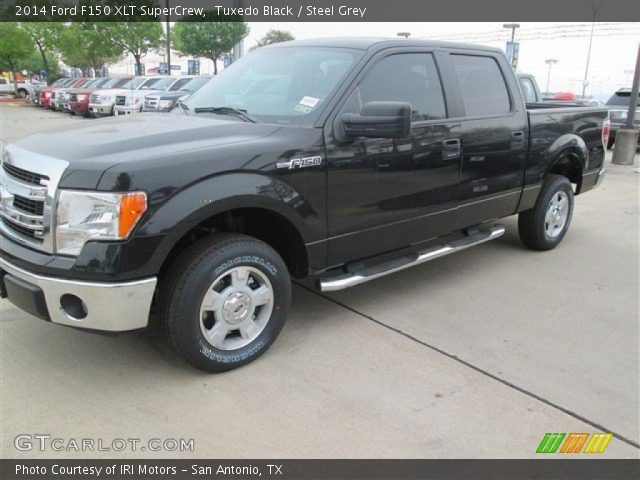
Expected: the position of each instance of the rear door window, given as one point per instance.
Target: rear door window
(484, 91)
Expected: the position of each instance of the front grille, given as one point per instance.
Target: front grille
(53, 94)
(24, 175)
(73, 97)
(94, 99)
(121, 100)
(150, 103)
(34, 207)
(28, 182)
(27, 232)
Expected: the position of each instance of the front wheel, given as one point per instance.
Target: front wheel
(224, 301)
(545, 225)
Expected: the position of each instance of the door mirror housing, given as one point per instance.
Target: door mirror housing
(379, 120)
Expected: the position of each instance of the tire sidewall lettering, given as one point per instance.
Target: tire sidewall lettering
(246, 259)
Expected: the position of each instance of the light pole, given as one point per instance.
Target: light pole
(549, 61)
(594, 9)
(513, 27)
(404, 34)
(168, 42)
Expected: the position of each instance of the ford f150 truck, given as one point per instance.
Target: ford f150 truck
(132, 101)
(342, 160)
(167, 101)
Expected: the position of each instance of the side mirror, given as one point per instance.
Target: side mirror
(379, 120)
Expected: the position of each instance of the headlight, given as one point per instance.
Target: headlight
(165, 103)
(83, 216)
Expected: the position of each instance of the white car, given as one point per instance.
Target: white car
(132, 101)
(101, 102)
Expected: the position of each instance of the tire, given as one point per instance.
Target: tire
(545, 225)
(247, 289)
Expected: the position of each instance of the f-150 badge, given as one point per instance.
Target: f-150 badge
(295, 163)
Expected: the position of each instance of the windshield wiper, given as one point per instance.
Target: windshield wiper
(236, 112)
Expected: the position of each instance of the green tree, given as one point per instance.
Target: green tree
(273, 36)
(137, 38)
(90, 44)
(33, 64)
(208, 39)
(45, 36)
(15, 45)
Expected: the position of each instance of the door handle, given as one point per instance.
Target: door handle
(517, 139)
(451, 149)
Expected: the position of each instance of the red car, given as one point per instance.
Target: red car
(48, 94)
(79, 100)
(45, 93)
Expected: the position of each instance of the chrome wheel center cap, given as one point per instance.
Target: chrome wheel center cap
(236, 307)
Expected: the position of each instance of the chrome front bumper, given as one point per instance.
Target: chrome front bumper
(99, 109)
(114, 307)
(120, 110)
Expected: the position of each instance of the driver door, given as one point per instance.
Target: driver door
(388, 193)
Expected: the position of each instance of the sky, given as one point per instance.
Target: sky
(612, 61)
(612, 55)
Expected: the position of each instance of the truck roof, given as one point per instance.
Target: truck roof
(379, 43)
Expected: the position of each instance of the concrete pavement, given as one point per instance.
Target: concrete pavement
(478, 354)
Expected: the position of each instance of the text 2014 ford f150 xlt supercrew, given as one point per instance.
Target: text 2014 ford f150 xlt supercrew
(342, 160)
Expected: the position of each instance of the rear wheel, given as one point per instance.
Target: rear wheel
(545, 225)
(224, 301)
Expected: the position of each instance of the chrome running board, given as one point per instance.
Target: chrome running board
(347, 280)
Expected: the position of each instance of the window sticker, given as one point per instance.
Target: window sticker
(303, 108)
(309, 101)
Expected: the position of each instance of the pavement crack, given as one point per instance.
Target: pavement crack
(486, 373)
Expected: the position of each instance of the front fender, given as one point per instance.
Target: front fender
(184, 210)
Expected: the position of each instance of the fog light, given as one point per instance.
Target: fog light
(73, 306)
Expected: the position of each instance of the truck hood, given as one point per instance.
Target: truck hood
(112, 92)
(139, 93)
(149, 139)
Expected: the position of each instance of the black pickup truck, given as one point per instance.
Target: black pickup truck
(342, 160)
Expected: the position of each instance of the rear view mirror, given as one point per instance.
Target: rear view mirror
(379, 120)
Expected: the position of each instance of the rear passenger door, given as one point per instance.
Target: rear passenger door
(384, 194)
(493, 136)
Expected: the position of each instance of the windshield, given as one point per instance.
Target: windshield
(159, 83)
(179, 84)
(194, 84)
(133, 83)
(95, 82)
(286, 85)
(622, 99)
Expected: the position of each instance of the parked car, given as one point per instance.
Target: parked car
(102, 102)
(167, 101)
(60, 101)
(53, 92)
(341, 160)
(618, 106)
(34, 94)
(46, 93)
(132, 101)
(6, 86)
(79, 98)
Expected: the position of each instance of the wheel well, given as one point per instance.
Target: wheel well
(569, 166)
(270, 227)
